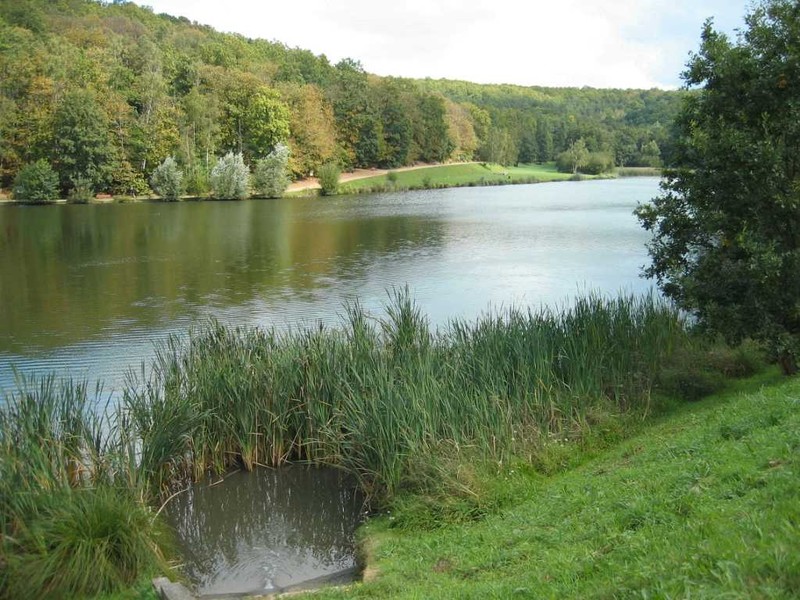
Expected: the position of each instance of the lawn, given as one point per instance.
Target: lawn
(703, 503)
(456, 175)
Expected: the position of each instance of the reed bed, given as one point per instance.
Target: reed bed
(370, 394)
(376, 396)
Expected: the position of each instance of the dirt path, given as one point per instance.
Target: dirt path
(312, 183)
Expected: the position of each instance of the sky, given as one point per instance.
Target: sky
(596, 43)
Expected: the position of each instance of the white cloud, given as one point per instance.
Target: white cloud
(617, 43)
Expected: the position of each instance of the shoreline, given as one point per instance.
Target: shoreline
(309, 187)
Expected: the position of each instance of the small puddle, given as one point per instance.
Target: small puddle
(268, 531)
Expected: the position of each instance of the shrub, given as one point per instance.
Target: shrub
(230, 177)
(82, 191)
(598, 162)
(167, 180)
(36, 182)
(196, 180)
(271, 174)
(329, 178)
(701, 368)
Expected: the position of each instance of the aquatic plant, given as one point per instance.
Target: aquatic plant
(370, 394)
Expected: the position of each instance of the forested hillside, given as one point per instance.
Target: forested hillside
(104, 92)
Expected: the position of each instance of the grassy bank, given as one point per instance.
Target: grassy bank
(422, 417)
(458, 175)
(704, 502)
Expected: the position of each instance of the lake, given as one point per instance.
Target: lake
(87, 290)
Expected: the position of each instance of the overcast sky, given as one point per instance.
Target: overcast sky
(598, 43)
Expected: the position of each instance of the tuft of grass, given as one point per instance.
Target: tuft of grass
(82, 543)
(72, 519)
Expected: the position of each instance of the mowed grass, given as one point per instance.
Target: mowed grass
(456, 175)
(704, 503)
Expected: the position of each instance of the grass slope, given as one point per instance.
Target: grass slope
(457, 175)
(705, 503)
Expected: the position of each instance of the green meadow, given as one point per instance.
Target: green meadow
(700, 501)
(456, 175)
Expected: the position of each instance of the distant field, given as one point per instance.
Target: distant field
(456, 175)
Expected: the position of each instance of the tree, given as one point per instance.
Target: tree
(36, 182)
(574, 157)
(230, 177)
(271, 174)
(726, 226)
(167, 180)
(82, 141)
(265, 124)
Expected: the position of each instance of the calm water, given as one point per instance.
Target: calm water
(268, 530)
(88, 290)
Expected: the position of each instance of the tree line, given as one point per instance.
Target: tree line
(104, 93)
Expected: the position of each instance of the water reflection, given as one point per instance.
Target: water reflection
(87, 290)
(267, 530)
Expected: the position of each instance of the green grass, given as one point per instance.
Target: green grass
(703, 503)
(424, 419)
(455, 176)
(376, 393)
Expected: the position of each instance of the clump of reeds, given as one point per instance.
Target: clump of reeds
(70, 523)
(370, 394)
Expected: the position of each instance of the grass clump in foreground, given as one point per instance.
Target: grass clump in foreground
(702, 503)
(421, 417)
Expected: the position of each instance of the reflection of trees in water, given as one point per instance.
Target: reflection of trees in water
(291, 516)
(99, 264)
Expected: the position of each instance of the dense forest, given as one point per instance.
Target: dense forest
(104, 92)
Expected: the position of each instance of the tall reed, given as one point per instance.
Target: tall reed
(372, 393)
(374, 396)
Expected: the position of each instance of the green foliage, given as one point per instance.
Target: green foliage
(230, 178)
(598, 163)
(455, 175)
(432, 135)
(107, 90)
(329, 178)
(266, 124)
(81, 191)
(574, 158)
(702, 367)
(725, 244)
(82, 140)
(167, 180)
(271, 176)
(197, 180)
(36, 182)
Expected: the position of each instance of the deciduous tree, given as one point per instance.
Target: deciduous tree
(726, 226)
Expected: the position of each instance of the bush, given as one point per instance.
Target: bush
(329, 178)
(167, 180)
(230, 178)
(271, 174)
(36, 182)
(701, 368)
(82, 191)
(196, 180)
(598, 162)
